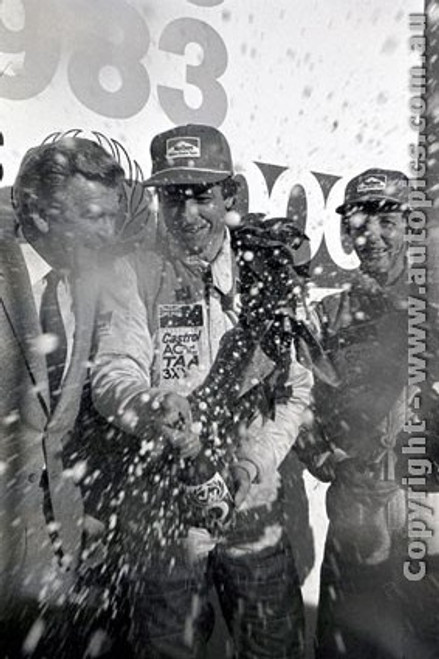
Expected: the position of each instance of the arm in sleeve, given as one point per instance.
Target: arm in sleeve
(318, 455)
(268, 442)
(121, 371)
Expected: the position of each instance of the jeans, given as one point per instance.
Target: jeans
(67, 632)
(259, 594)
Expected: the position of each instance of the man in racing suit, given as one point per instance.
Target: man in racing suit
(359, 440)
(161, 323)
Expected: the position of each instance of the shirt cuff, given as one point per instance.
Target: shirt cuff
(250, 468)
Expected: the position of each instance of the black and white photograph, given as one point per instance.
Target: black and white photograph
(219, 329)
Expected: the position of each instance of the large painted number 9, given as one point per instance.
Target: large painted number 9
(41, 55)
(175, 37)
(116, 43)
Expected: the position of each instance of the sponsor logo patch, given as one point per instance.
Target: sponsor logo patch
(180, 340)
(373, 183)
(183, 147)
(181, 315)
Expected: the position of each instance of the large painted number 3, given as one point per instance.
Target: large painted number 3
(175, 37)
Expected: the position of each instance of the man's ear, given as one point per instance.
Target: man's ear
(347, 240)
(39, 221)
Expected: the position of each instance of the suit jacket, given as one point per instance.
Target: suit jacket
(31, 438)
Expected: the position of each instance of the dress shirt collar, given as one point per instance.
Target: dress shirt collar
(37, 267)
(221, 266)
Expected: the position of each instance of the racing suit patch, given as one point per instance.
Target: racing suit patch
(181, 342)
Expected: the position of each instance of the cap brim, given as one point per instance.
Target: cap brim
(186, 176)
(361, 201)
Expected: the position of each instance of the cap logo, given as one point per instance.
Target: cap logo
(372, 183)
(183, 147)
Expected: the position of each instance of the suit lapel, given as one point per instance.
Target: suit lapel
(84, 294)
(18, 306)
(66, 499)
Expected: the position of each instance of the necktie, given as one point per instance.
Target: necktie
(52, 323)
(207, 281)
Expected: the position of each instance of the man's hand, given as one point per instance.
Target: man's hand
(92, 527)
(197, 545)
(363, 485)
(93, 552)
(242, 483)
(172, 421)
(356, 504)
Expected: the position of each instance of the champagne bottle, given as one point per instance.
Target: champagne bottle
(207, 491)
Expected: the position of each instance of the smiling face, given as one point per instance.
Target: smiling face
(195, 216)
(83, 213)
(378, 239)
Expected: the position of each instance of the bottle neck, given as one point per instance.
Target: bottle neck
(200, 468)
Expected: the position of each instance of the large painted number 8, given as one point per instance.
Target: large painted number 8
(175, 37)
(119, 39)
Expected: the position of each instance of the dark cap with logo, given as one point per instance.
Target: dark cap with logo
(382, 186)
(193, 154)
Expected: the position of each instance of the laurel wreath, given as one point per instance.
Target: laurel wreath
(139, 199)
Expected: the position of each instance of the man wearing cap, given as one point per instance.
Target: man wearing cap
(359, 427)
(160, 330)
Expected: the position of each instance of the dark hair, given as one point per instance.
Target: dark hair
(373, 207)
(47, 167)
(229, 187)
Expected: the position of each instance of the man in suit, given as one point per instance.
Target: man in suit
(68, 201)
